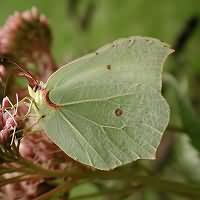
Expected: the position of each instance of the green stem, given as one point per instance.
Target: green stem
(17, 179)
(4, 170)
(163, 185)
(156, 183)
(85, 176)
(151, 181)
(146, 181)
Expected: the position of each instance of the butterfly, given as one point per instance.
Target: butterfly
(105, 109)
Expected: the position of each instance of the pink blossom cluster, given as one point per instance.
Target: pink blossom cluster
(8, 120)
(15, 37)
(26, 38)
(40, 150)
(25, 190)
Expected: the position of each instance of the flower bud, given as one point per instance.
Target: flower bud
(5, 103)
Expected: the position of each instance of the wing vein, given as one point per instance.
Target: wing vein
(96, 100)
(79, 133)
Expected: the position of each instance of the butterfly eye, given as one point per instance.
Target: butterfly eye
(36, 88)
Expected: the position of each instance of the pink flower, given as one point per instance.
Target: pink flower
(8, 122)
(41, 150)
(37, 148)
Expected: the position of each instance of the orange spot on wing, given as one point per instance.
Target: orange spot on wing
(45, 95)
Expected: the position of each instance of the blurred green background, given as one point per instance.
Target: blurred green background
(80, 26)
(109, 20)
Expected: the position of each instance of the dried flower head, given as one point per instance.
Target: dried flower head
(25, 33)
(26, 38)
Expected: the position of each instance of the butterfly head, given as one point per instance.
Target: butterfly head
(35, 91)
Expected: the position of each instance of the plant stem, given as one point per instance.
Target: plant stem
(37, 169)
(163, 185)
(156, 183)
(146, 181)
(17, 179)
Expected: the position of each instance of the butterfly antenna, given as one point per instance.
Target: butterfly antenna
(17, 104)
(32, 80)
(17, 65)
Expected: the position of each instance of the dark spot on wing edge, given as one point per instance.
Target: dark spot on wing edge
(108, 67)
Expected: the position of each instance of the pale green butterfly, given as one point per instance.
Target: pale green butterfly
(106, 109)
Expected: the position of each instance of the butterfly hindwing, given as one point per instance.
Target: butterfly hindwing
(111, 109)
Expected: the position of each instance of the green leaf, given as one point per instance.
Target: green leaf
(189, 118)
(111, 111)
